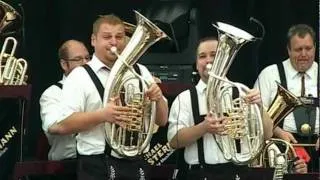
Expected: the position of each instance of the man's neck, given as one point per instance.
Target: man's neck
(108, 63)
(205, 80)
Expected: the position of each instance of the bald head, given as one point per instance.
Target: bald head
(72, 54)
(66, 46)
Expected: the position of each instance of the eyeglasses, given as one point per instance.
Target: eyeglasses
(77, 59)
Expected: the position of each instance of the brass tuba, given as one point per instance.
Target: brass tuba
(12, 70)
(277, 153)
(9, 17)
(123, 82)
(244, 128)
(283, 103)
(280, 155)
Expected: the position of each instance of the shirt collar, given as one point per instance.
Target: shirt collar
(63, 79)
(313, 70)
(292, 73)
(96, 64)
(201, 86)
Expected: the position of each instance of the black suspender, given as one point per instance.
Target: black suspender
(283, 78)
(98, 83)
(301, 114)
(95, 80)
(100, 88)
(197, 119)
(137, 69)
(59, 84)
(282, 75)
(283, 81)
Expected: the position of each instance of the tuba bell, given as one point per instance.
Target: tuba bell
(131, 139)
(9, 18)
(244, 136)
(283, 103)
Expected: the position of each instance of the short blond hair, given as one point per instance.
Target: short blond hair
(109, 19)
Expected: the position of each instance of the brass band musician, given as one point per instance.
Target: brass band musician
(72, 54)
(183, 132)
(298, 74)
(84, 112)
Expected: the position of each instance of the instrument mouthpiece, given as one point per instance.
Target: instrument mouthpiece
(113, 49)
(208, 66)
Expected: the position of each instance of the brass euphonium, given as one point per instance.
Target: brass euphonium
(283, 103)
(280, 155)
(12, 70)
(277, 153)
(131, 139)
(244, 136)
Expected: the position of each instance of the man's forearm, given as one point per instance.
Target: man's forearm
(187, 136)
(77, 122)
(162, 112)
(277, 131)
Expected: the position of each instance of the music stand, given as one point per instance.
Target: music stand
(23, 94)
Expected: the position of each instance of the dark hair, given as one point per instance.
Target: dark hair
(301, 30)
(208, 38)
(110, 19)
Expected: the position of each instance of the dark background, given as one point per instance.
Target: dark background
(47, 23)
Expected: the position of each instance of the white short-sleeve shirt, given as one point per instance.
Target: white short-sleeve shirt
(267, 85)
(81, 95)
(181, 116)
(62, 147)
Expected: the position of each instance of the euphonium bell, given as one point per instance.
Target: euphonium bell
(124, 82)
(283, 103)
(244, 135)
(10, 19)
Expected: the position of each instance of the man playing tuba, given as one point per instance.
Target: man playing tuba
(84, 112)
(298, 74)
(191, 127)
(202, 155)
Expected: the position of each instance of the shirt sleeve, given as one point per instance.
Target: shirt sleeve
(266, 83)
(146, 73)
(148, 76)
(50, 106)
(73, 93)
(180, 115)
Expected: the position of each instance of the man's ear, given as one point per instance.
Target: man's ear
(93, 40)
(288, 50)
(64, 65)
